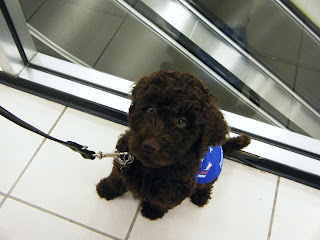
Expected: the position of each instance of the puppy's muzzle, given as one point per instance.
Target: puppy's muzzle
(150, 145)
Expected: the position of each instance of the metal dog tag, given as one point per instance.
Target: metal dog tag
(125, 168)
(124, 159)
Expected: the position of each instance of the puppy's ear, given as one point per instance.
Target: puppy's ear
(142, 86)
(137, 90)
(131, 109)
(214, 127)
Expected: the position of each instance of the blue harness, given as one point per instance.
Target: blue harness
(210, 167)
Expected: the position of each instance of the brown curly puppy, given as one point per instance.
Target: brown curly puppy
(173, 120)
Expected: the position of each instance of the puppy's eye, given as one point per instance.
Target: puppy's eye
(151, 109)
(182, 122)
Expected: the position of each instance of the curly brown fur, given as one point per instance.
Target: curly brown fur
(173, 120)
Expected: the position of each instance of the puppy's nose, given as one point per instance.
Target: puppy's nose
(150, 145)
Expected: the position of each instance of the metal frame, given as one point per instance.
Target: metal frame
(4, 62)
(82, 74)
(20, 25)
(11, 60)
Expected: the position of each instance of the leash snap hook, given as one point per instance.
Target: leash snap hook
(125, 159)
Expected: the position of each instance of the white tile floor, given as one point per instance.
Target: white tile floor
(48, 191)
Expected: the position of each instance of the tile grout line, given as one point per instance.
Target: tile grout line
(7, 195)
(273, 208)
(63, 218)
(104, 11)
(297, 65)
(31, 159)
(108, 44)
(133, 222)
(36, 11)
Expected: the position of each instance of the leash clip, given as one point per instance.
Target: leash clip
(101, 155)
(123, 158)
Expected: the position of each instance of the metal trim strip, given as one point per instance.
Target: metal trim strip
(20, 26)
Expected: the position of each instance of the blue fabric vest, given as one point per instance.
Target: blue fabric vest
(210, 166)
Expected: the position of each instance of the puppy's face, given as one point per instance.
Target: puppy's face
(167, 118)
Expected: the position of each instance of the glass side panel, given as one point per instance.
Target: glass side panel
(118, 44)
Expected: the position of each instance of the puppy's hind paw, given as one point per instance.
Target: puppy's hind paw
(201, 197)
(236, 143)
(243, 141)
(150, 211)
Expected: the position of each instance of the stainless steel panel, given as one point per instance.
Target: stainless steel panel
(269, 90)
(21, 28)
(54, 15)
(5, 65)
(236, 63)
(11, 61)
(41, 47)
(221, 51)
(30, 7)
(54, 47)
(146, 52)
(260, 25)
(231, 102)
(308, 85)
(82, 31)
(309, 123)
(107, 6)
(310, 53)
(271, 32)
(175, 14)
(288, 69)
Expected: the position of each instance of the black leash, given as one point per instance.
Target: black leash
(87, 154)
(123, 158)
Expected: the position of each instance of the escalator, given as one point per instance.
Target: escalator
(244, 50)
(247, 63)
(91, 48)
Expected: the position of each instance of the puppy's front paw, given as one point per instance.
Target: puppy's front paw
(201, 197)
(105, 191)
(150, 211)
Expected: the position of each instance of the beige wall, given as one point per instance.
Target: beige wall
(311, 8)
